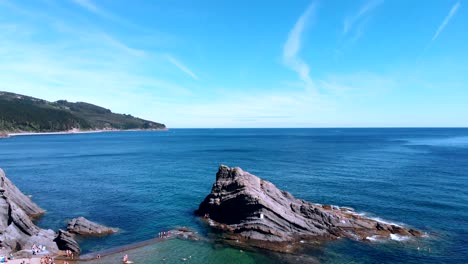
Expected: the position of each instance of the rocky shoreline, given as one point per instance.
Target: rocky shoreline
(17, 231)
(247, 209)
(19, 234)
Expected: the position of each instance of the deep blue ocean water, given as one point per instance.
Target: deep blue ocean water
(147, 182)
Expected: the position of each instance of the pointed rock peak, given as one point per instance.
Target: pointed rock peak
(228, 173)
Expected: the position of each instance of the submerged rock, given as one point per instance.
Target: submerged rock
(249, 209)
(17, 231)
(83, 226)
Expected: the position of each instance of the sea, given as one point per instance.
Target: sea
(151, 181)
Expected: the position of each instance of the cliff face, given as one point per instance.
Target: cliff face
(17, 231)
(250, 209)
(17, 197)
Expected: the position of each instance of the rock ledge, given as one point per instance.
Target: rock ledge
(83, 226)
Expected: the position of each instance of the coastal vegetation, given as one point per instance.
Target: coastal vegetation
(20, 113)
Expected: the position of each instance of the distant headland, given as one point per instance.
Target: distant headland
(21, 114)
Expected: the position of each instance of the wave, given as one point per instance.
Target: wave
(459, 141)
(398, 237)
(380, 220)
(377, 219)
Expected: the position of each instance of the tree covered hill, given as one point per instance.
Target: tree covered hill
(20, 113)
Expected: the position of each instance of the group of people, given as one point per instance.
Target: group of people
(164, 234)
(3, 258)
(37, 249)
(69, 254)
(47, 260)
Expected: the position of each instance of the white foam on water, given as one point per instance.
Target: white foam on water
(380, 220)
(398, 237)
(373, 238)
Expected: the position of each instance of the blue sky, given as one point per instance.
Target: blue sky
(371, 63)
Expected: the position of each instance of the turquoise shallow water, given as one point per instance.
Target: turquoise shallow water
(147, 182)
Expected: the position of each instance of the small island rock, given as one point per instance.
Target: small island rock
(251, 210)
(83, 226)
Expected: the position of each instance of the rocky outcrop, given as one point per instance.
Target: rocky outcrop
(249, 209)
(17, 231)
(65, 241)
(17, 197)
(83, 226)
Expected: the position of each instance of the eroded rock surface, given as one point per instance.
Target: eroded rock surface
(17, 231)
(65, 241)
(17, 197)
(249, 209)
(83, 226)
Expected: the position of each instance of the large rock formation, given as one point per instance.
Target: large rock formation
(83, 226)
(65, 241)
(17, 231)
(17, 197)
(249, 209)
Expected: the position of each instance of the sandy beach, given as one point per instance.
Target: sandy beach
(57, 133)
(74, 131)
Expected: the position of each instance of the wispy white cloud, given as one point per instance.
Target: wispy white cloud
(363, 12)
(95, 9)
(181, 67)
(118, 44)
(90, 6)
(87, 65)
(447, 19)
(293, 46)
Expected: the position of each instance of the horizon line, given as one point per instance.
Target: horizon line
(331, 127)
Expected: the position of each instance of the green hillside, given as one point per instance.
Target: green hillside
(20, 113)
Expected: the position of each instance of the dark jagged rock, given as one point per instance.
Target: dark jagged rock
(249, 209)
(65, 241)
(83, 226)
(17, 231)
(19, 198)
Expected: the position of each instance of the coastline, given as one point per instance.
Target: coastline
(73, 131)
(177, 233)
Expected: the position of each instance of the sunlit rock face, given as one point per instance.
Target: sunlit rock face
(249, 209)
